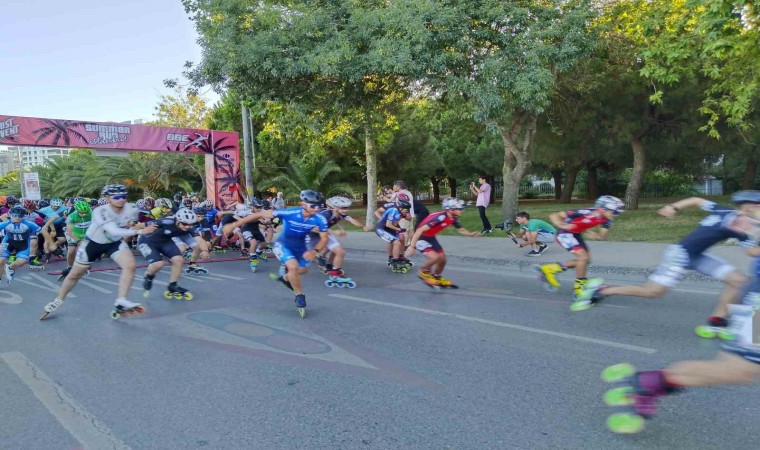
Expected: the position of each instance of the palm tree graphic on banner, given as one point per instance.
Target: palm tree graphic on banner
(61, 130)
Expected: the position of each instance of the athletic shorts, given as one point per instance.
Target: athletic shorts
(185, 239)
(59, 229)
(6, 248)
(544, 237)
(251, 231)
(285, 254)
(428, 244)
(89, 251)
(744, 323)
(676, 262)
(571, 242)
(386, 234)
(332, 242)
(153, 251)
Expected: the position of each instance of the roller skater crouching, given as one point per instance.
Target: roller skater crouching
(337, 278)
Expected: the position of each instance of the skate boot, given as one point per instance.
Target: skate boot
(445, 282)
(50, 307)
(36, 264)
(148, 284)
(427, 277)
(244, 253)
(253, 263)
(322, 262)
(589, 296)
(177, 292)
(59, 252)
(281, 280)
(390, 260)
(405, 261)
(398, 266)
(218, 249)
(10, 274)
(301, 305)
(125, 308)
(716, 327)
(337, 278)
(546, 275)
(578, 287)
(46, 258)
(64, 273)
(262, 257)
(188, 254)
(195, 269)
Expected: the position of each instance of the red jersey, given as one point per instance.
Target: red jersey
(437, 222)
(582, 220)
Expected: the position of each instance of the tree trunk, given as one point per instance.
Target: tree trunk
(557, 177)
(633, 191)
(750, 171)
(592, 181)
(452, 186)
(517, 142)
(370, 151)
(571, 174)
(436, 182)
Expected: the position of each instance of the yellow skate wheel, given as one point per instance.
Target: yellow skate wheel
(705, 332)
(625, 423)
(188, 296)
(168, 295)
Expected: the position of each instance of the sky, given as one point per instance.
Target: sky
(96, 60)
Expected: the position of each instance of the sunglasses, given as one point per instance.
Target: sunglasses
(16, 216)
(119, 197)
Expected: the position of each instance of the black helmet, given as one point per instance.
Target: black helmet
(18, 209)
(113, 189)
(10, 200)
(43, 204)
(93, 202)
(256, 203)
(177, 198)
(312, 197)
(200, 210)
(403, 204)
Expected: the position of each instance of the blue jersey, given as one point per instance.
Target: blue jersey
(211, 215)
(19, 232)
(49, 213)
(392, 214)
(296, 227)
(721, 224)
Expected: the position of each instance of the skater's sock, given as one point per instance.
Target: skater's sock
(149, 276)
(717, 321)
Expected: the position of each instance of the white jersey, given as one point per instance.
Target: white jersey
(109, 226)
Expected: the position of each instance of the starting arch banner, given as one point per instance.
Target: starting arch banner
(222, 148)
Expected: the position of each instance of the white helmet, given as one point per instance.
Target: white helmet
(610, 203)
(338, 202)
(184, 215)
(208, 203)
(163, 203)
(453, 203)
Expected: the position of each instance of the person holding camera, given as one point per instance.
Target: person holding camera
(484, 198)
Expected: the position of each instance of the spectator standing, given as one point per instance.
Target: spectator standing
(484, 198)
(279, 202)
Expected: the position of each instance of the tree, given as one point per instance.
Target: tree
(305, 174)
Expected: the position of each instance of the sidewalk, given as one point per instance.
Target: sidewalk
(606, 257)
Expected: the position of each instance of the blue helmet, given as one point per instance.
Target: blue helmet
(745, 197)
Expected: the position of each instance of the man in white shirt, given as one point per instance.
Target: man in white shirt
(484, 198)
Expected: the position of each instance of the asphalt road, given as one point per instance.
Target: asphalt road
(391, 364)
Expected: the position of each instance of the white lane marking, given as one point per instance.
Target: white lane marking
(137, 277)
(37, 285)
(229, 277)
(83, 426)
(42, 280)
(99, 280)
(10, 298)
(634, 348)
(95, 286)
(528, 275)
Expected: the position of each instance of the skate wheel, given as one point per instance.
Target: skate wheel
(302, 312)
(253, 269)
(168, 295)
(177, 296)
(726, 336)
(339, 285)
(187, 296)
(329, 283)
(625, 423)
(351, 284)
(618, 372)
(705, 332)
(581, 305)
(622, 396)
(115, 315)
(146, 294)
(139, 309)
(405, 270)
(204, 271)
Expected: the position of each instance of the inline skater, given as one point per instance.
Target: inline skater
(534, 232)
(76, 230)
(723, 222)
(52, 231)
(336, 211)
(571, 225)
(424, 240)
(164, 242)
(110, 224)
(21, 237)
(163, 208)
(204, 233)
(251, 234)
(31, 215)
(389, 230)
(290, 247)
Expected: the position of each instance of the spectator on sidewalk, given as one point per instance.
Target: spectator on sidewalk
(279, 202)
(484, 198)
(534, 232)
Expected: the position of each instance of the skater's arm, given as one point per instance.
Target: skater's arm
(379, 212)
(671, 209)
(410, 251)
(466, 232)
(598, 236)
(753, 252)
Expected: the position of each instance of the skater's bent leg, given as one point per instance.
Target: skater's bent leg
(338, 254)
(396, 245)
(431, 261)
(735, 282)
(440, 264)
(71, 280)
(177, 263)
(648, 290)
(154, 267)
(727, 368)
(580, 263)
(126, 261)
(18, 263)
(294, 275)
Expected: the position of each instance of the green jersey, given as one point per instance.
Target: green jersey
(77, 225)
(534, 225)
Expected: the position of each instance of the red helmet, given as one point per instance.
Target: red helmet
(30, 204)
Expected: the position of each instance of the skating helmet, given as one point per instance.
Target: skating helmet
(30, 204)
(312, 197)
(187, 202)
(42, 204)
(102, 201)
(150, 203)
(403, 204)
(163, 203)
(338, 202)
(200, 210)
(82, 207)
(10, 200)
(56, 202)
(79, 199)
(453, 203)
(266, 204)
(184, 215)
(177, 198)
(113, 189)
(610, 203)
(208, 203)
(17, 211)
(256, 203)
(140, 203)
(93, 202)
(745, 197)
